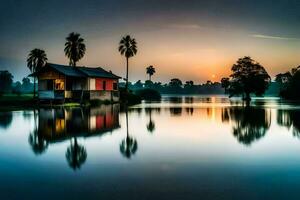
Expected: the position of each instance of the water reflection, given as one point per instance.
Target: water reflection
(290, 119)
(249, 124)
(151, 123)
(57, 125)
(128, 146)
(5, 119)
(76, 154)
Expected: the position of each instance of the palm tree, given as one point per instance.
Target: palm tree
(150, 70)
(74, 48)
(128, 48)
(36, 59)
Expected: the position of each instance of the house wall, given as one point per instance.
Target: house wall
(50, 74)
(108, 85)
(104, 95)
(92, 84)
(80, 84)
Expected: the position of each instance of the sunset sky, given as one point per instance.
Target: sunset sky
(187, 39)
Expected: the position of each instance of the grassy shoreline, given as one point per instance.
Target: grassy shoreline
(9, 102)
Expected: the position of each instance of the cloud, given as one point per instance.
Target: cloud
(185, 26)
(273, 37)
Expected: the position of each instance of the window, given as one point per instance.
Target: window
(59, 84)
(104, 85)
(49, 84)
(69, 84)
(115, 86)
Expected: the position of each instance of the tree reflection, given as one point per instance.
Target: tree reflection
(151, 124)
(37, 142)
(176, 111)
(128, 146)
(290, 118)
(248, 124)
(76, 155)
(5, 119)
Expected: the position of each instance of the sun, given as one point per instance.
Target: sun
(213, 76)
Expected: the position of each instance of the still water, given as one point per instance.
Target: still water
(180, 148)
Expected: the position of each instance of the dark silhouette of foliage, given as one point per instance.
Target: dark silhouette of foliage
(76, 155)
(188, 88)
(148, 94)
(6, 80)
(17, 88)
(128, 97)
(74, 48)
(36, 59)
(128, 48)
(248, 124)
(289, 84)
(247, 77)
(225, 83)
(150, 71)
(37, 143)
(27, 86)
(175, 83)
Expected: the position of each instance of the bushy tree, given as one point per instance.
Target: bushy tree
(6, 80)
(289, 83)
(248, 77)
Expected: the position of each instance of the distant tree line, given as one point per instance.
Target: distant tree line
(176, 86)
(289, 83)
(8, 86)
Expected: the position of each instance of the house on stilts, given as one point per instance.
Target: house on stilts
(60, 82)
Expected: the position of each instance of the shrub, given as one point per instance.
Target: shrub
(148, 94)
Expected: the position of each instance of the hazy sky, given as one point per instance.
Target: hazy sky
(186, 39)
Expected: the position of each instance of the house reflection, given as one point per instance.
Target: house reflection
(248, 124)
(60, 124)
(57, 125)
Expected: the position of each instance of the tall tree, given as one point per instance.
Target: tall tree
(247, 77)
(36, 59)
(289, 84)
(127, 48)
(150, 70)
(6, 80)
(74, 48)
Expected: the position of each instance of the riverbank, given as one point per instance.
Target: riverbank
(26, 101)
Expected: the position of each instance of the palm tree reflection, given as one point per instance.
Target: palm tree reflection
(76, 155)
(37, 142)
(248, 124)
(151, 123)
(128, 146)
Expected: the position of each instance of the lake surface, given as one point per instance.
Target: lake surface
(190, 147)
